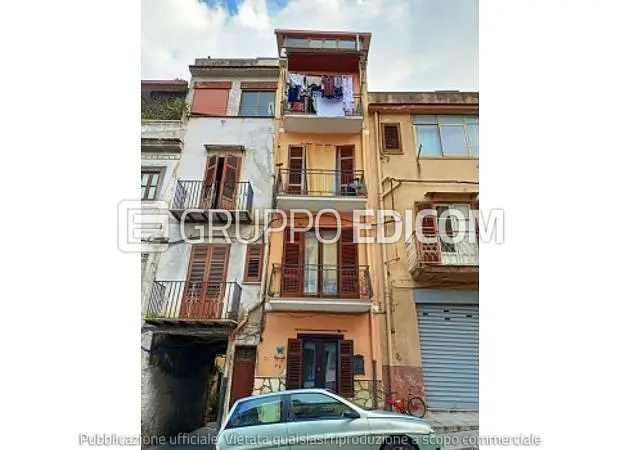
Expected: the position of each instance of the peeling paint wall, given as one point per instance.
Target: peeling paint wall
(256, 136)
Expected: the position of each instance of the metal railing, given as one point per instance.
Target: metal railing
(320, 281)
(442, 250)
(223, 195)
(319, 107)
(310, 182)
(195, 300)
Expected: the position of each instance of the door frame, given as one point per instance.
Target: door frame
(322, 338)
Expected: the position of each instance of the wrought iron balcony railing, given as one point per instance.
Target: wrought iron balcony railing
(321, 281)
(194, 300)
(218, 195)
(442, 251)
(321, 183)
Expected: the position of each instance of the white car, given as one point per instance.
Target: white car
(306, 419)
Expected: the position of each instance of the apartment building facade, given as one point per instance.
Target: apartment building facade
(427, 160)
(209, 282)
(162, 134)
(319, 329)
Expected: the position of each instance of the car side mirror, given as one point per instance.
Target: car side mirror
(349, 414)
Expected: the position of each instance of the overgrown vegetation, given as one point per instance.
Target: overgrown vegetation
(169, 109)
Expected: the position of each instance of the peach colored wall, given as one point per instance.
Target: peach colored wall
(286, 139)
(281, 327)
(405, 340)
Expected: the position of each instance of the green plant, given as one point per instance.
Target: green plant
(169, 109)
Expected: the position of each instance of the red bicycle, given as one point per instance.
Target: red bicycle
(415, 406)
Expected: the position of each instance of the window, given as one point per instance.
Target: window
(313, 406)
(253, 263)
(150, 181)
(447, 135)
(257, 103)
(210, 102)
(260, 411)
(391, 137)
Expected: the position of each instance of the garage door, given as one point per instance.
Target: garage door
(449, 344)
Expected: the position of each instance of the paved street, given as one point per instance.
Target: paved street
(200, 440)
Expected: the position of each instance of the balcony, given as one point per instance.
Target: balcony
(316, 287)
(438, 261)
(323, 117)
(199, 201)
(162, 135)
(193, 304)
(314, 189)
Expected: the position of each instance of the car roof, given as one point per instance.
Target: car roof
(290, 391)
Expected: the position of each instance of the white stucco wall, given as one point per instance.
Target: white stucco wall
(256, 136)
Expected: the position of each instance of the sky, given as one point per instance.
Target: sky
(417, 45)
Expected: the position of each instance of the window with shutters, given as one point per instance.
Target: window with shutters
(221, 188)
(210, 99)
(441, 136)
(253, 263)
(391, 137)
(324, 267)
(205, 287)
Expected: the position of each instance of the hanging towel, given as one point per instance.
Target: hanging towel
(328, 86)
(328, 107)
(347, 93)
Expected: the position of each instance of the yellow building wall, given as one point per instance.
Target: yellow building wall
(406, 370)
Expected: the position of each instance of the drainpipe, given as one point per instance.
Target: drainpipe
(371, 327)
(386, 283)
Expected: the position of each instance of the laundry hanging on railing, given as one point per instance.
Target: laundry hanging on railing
(326, 96)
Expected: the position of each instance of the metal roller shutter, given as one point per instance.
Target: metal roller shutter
(449, 345)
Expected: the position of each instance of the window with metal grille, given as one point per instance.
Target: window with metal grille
(253, 263)
(391, 137)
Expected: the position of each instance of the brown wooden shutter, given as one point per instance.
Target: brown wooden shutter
(349, 270)
(294, 364)
(475, 206)
(346, 165)
(230, 178)
(429, 253)
(295, 183)
(345, 368)
(209, 188)
(194, 290)
(292, 267)
(391, 137)
(253, 263)
(210, 102)
(216, 275)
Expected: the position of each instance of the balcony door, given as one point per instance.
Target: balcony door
(461, 252)
(221, 182)
(320, 361)
(205, 288)
(320, 170)
(314, 267)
